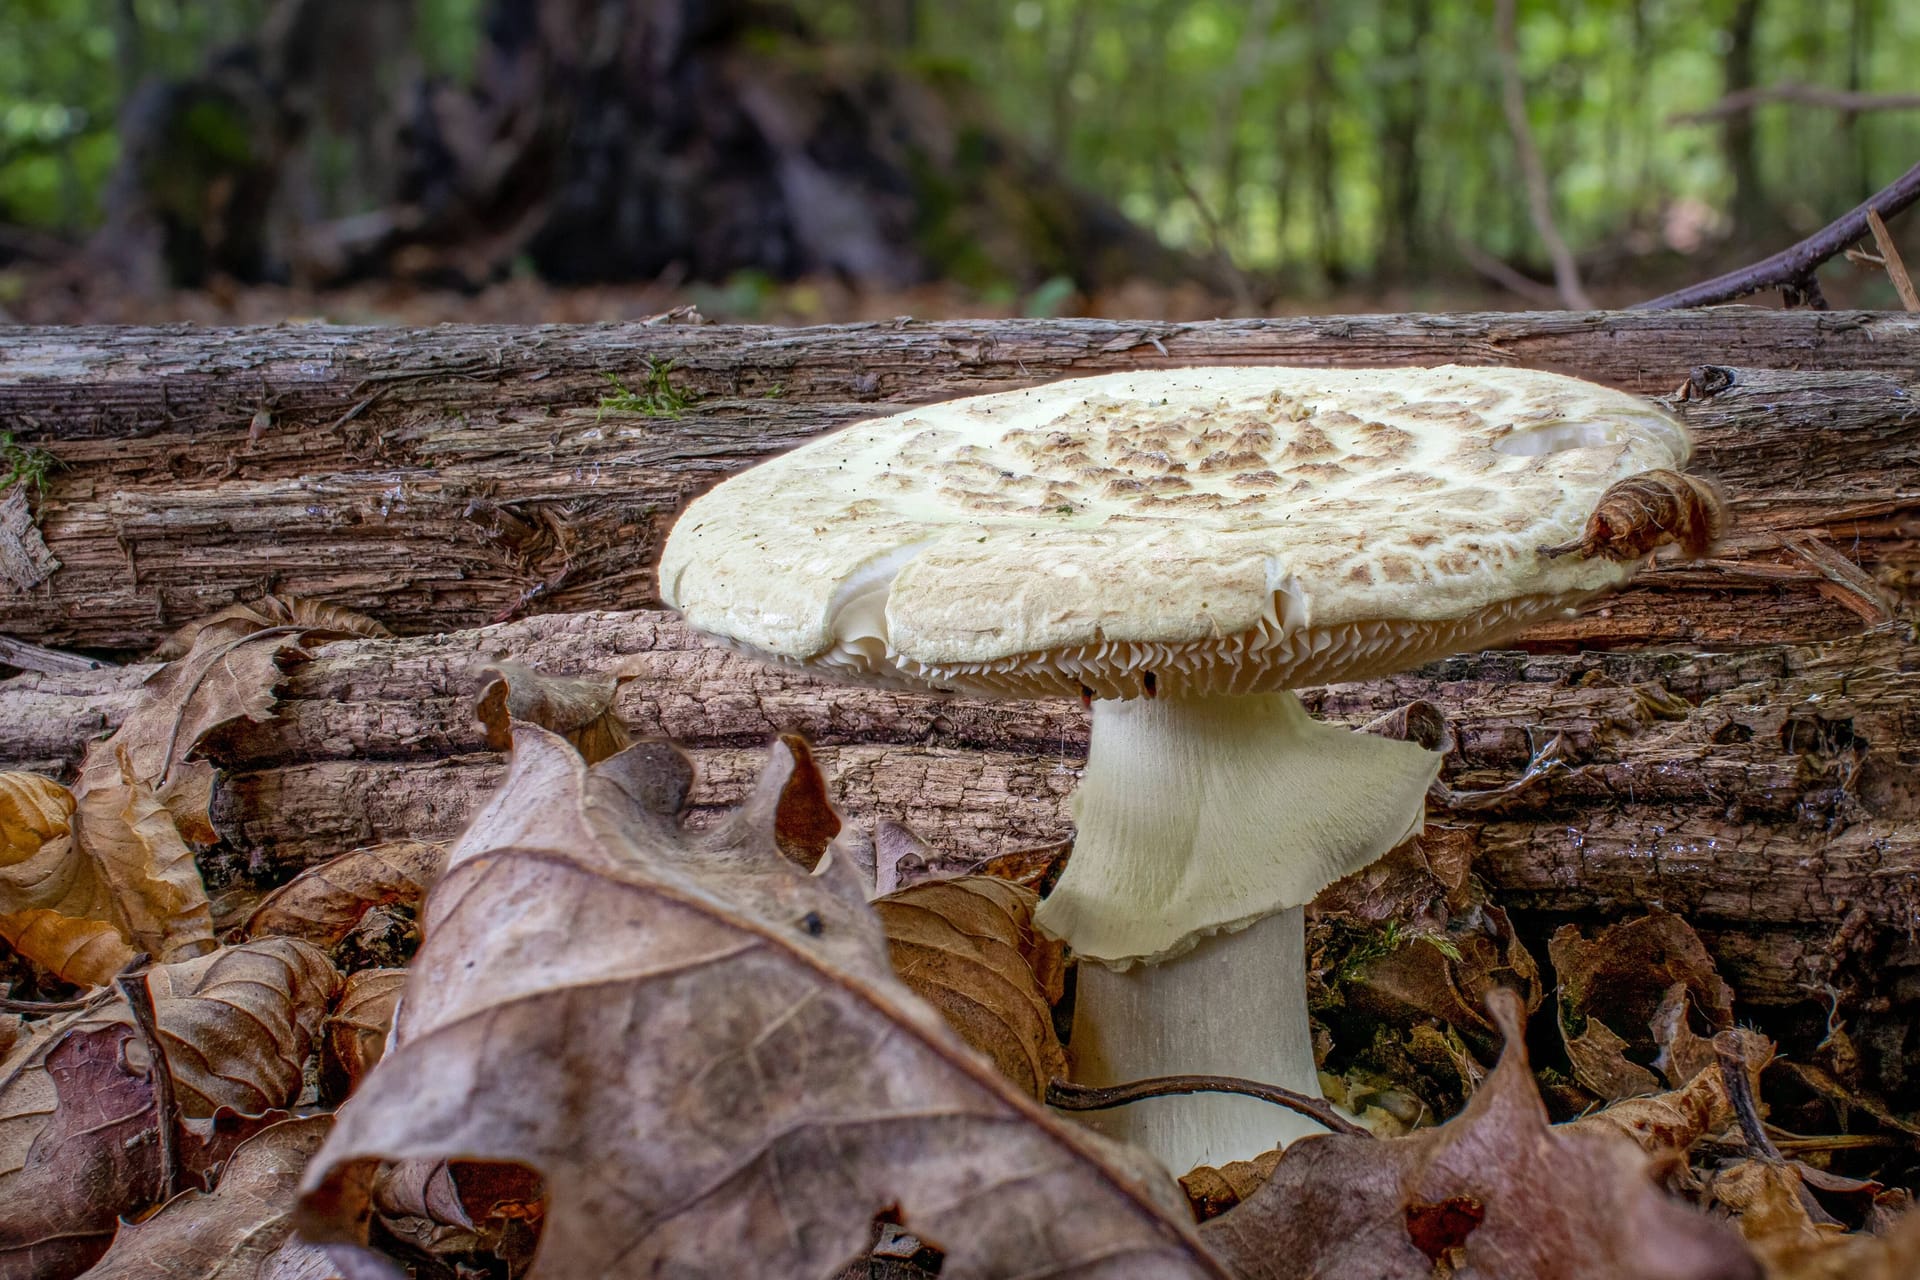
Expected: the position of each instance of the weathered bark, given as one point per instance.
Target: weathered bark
(443, 478)
(1765, 793)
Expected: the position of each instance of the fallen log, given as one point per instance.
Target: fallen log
(1764, 792)
(443, 478)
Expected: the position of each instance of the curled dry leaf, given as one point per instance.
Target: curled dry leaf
(326, 621)
(322, 904)
(579, 709)
(1633, 990)
(968, 947)
(79, 1143)
(703, 1052)
(231, 1232)
(1649, 511)
(238, 1025)
(462, 1207)
(140, 799)
(1213, 1191)
(1495, 1192)
(355, 1033)
(1675, 1120)
(54, 906)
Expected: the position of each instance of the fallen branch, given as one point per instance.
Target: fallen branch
(1805, 95)
(1792, 269)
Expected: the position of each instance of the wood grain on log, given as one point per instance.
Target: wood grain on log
(1770, 789)
(442, 478)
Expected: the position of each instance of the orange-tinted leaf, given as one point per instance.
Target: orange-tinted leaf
(968, 947)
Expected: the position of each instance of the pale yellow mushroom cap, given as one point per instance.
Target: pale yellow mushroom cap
(1229, 529)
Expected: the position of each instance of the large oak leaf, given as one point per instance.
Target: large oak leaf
(703, 1052)
(1494, 1193)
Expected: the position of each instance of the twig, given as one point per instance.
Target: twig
(1079, 1097)
(10, 1005)
(1746, 1108)
(1806, 95)
(1216, 235)
(1513, 97)
(1506, 277)
(1794, 266)
(139, 997)
(1890, 259)
(1855, 589)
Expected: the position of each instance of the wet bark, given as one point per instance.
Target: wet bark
(445, 478)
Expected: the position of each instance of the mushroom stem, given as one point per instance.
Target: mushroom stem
(1205, 823)
(1234, 1005)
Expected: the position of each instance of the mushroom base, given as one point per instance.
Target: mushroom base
(1234, 1005)
(1203, 815)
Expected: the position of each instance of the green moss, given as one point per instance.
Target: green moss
(24, 464)
(656, 398)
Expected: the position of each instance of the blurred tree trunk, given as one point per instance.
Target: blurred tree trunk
(1754, 221)
(1401, 240)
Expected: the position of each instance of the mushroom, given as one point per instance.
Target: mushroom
(1183, 548)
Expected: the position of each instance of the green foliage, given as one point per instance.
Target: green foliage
(1325, 139)
(24, 464)
(657, 397)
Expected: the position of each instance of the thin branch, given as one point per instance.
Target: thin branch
(1513, 98)
(1505, 276)
(1793, 267)
(1805, 95)
(166, 1105)
(10, 1005)
(1890, 258)
(1079, 1097)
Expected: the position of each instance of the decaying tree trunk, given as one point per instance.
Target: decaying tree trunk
(445, 478)
(1761, 775)
(1766, 793)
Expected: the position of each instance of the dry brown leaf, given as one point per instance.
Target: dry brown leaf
(704, 1053)
(462, 1207)
(236, 620)
(1494, 1193)
(230, 1232)
(355, 1033)
(1675, 1120)
(54, 907)
(1213, 1191)
(968, 947)
(579, 709)
(1618, 998)
(78, 1143)
(322, 904)
(139, 800)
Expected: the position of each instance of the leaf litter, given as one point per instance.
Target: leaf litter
(626, 1045)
